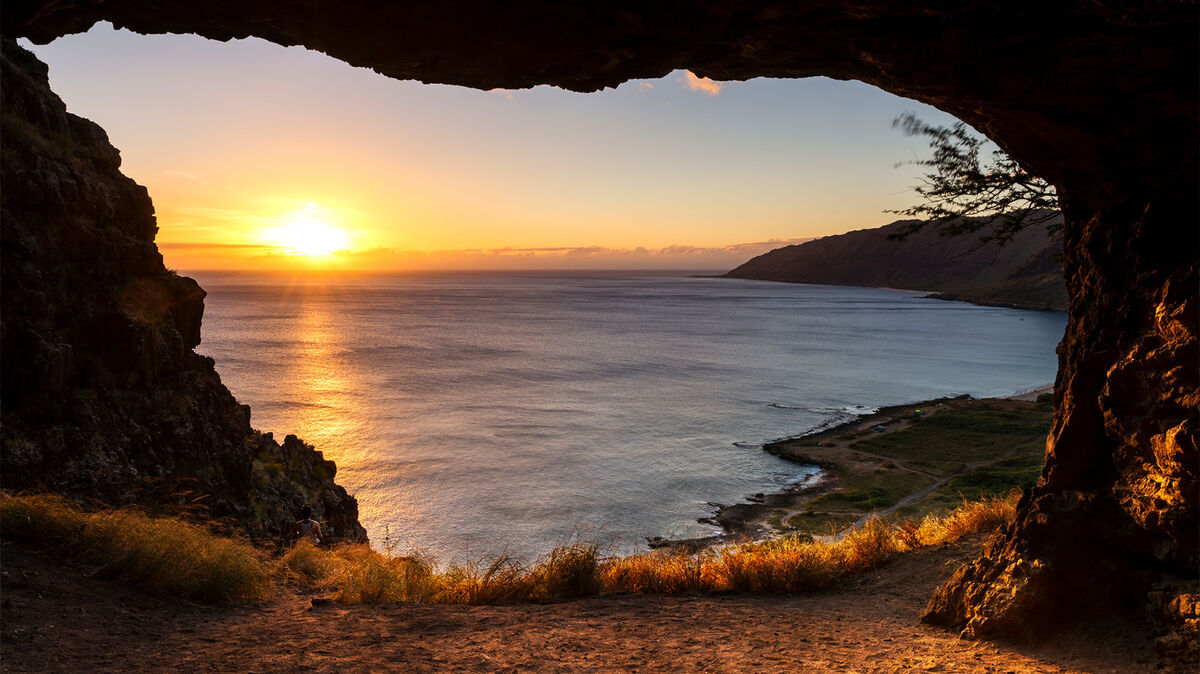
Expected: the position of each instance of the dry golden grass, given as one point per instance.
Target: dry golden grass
(567, 572)
(789, 564)
(971, 517)
(172, 557)
(163, 555)
(661, 572)
(356, 574)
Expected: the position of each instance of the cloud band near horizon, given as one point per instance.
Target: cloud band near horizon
(673, 256)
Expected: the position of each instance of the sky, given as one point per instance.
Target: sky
(260, 157)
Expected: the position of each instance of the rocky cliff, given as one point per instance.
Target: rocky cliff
(1025, 273)
(103, 396)
(1097, 97)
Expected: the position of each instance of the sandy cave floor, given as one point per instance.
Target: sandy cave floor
(55, 618)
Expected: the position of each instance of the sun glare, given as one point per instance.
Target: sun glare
(307, 233)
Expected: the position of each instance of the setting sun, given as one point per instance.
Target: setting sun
(307, 232)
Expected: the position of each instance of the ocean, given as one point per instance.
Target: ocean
(478, 414)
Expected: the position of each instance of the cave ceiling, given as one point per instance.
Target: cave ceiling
(1042, 79)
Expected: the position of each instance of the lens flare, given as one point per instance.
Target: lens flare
(308, 232)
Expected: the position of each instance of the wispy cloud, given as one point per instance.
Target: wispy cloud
(666, 251)
(645, 86)
(241, 216)
(184, 175)
(701, 84)
(200, 245)
(209, 255)
(676, 256)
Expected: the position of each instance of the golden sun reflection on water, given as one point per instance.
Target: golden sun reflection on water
(331, 406)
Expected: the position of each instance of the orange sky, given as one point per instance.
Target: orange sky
(257, 154)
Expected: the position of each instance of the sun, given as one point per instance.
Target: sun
(312, 238)
(306, 232)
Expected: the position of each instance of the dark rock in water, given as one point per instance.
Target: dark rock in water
(1025, 273)
(1098, 98)
(103, 396)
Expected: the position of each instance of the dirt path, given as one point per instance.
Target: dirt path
(918, 494)
(836, 446)
(893, 423)
(56, 619)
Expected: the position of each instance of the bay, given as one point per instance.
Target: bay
(477, 414)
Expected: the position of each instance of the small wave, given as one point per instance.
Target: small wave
(285, 404)
(834, 416)
(748, 445)
(825, 410)
(860, 410)
(781, 406)
(793, 480)
(856, 410)
(835, 419)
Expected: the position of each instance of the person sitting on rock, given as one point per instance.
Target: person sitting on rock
(307, 527)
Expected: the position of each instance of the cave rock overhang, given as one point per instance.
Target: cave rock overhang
(1058, 86)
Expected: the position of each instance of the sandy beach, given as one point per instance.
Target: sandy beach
(1032, 394)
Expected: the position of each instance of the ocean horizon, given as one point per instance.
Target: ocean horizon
(478, 413)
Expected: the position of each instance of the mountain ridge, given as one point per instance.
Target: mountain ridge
(1024, 273)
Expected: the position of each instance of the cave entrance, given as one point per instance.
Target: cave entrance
(329, 181)
(1098, 98)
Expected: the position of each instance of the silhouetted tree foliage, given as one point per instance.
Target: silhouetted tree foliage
(961, 196)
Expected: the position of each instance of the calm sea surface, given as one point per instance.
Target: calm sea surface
(475, 414)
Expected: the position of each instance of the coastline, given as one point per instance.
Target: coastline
(821, 446)
(926, 293)
(1049, 307)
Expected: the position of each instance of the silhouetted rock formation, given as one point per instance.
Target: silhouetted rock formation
(1099, 98)
(1025, 273)
(103, 395)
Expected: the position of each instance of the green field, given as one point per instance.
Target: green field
(946, 443)
(985, 448)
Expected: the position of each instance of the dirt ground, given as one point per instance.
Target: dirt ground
(56, 618)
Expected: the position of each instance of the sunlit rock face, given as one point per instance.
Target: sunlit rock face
(1100, 98)
(103, 395)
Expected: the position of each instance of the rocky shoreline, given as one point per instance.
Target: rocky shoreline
(749, 521)
(983, 302)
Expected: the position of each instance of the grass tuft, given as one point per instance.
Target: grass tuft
(566, 573)
(986, 514)
(163, 555)
(659, 572)
(501, 580)
(788, 564)
(366, 577)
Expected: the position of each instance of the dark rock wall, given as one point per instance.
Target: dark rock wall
(1116, 507)
(102, 394)
(1100, 98)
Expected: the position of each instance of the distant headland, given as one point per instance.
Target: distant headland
(1025, 273)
